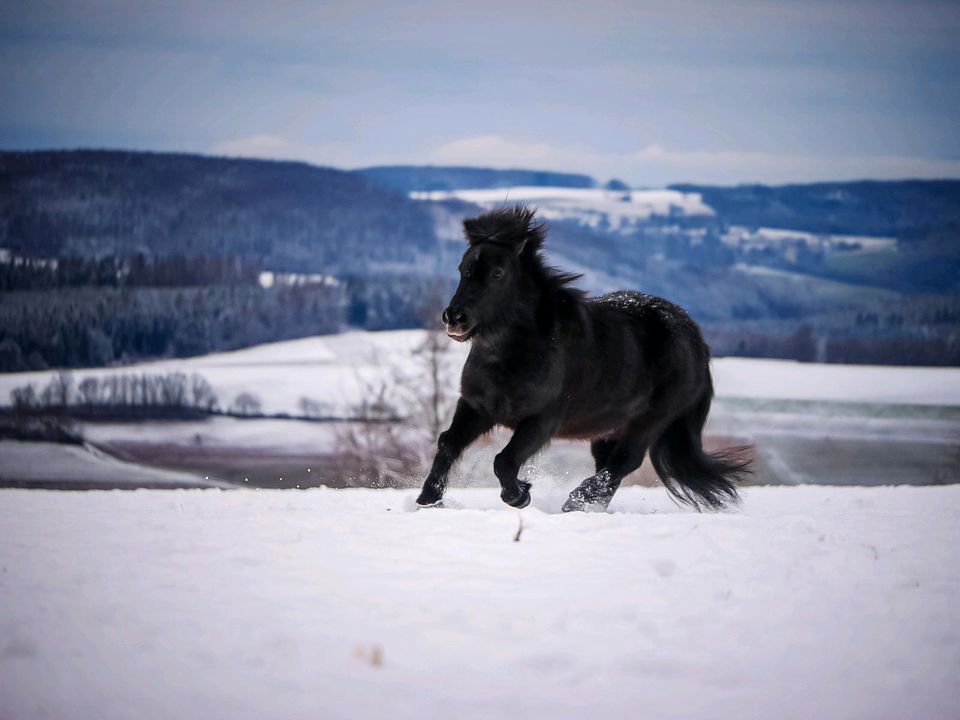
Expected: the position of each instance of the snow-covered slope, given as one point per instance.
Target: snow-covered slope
(76, 467)
(613, 209)
(810, 602)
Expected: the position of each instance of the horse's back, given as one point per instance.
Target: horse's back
(662, 327)
(643, 307)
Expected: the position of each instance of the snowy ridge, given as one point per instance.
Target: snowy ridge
(613, 209)
(759, 237)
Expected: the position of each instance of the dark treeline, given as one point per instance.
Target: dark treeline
(805, 345)
(28, 273)
(95, 326)
(392, 303)
(105, 325)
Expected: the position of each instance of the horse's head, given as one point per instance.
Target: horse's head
(492, 270)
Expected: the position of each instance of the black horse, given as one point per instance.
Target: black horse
(627, 371)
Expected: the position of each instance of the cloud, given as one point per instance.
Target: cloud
(494, 151)
(658, 165)
(652, 165)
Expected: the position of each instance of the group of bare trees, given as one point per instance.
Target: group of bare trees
(128, 394)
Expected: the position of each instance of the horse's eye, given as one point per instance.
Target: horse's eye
(497, 273)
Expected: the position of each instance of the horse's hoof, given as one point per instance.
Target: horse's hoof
(430, 497)
(519, 500)
(437, 504)
(592, 495)
(578, 503)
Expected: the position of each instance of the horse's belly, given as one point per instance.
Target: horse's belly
(588, 428)
(590, 419)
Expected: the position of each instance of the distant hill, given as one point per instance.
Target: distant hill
(892, 208)
(292, 216)
(411, 178)
(161, 254)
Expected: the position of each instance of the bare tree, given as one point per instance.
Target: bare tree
(59, 391)
(433, 355)
(431, 393)
(89, 391)
(312, 408)
(173, 389)
(247, 404)
(374, 447)
(201, 393)
(24, 399)
(383, 448)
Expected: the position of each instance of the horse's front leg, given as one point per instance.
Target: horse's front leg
(468, 424)
(531, 434)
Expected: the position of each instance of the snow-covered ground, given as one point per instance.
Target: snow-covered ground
(790, 380)
(762, 236)
(808, 602)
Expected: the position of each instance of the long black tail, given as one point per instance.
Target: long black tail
(693, 476)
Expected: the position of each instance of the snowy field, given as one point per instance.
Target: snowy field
(335, 369)
(811, 423)
(808, 602)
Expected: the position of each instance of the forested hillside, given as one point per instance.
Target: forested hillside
(411, 178)
(114, 256)
(891, 208)
(290, 216)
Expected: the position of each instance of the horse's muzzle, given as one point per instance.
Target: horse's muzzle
(455, 321)
(459, 335)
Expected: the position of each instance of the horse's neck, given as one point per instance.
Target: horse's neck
(524, 331)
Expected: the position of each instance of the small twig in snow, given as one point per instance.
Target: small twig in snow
(516, 538)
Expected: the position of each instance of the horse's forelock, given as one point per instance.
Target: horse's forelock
(512, 226)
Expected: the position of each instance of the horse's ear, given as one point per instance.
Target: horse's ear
(520, 246)
(471, 229)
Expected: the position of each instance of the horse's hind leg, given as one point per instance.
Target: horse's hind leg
(620, 458)
(601, 449)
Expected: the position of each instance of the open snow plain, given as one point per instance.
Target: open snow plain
(808, 602)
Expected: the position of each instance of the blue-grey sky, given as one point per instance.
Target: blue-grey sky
(653, 92)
